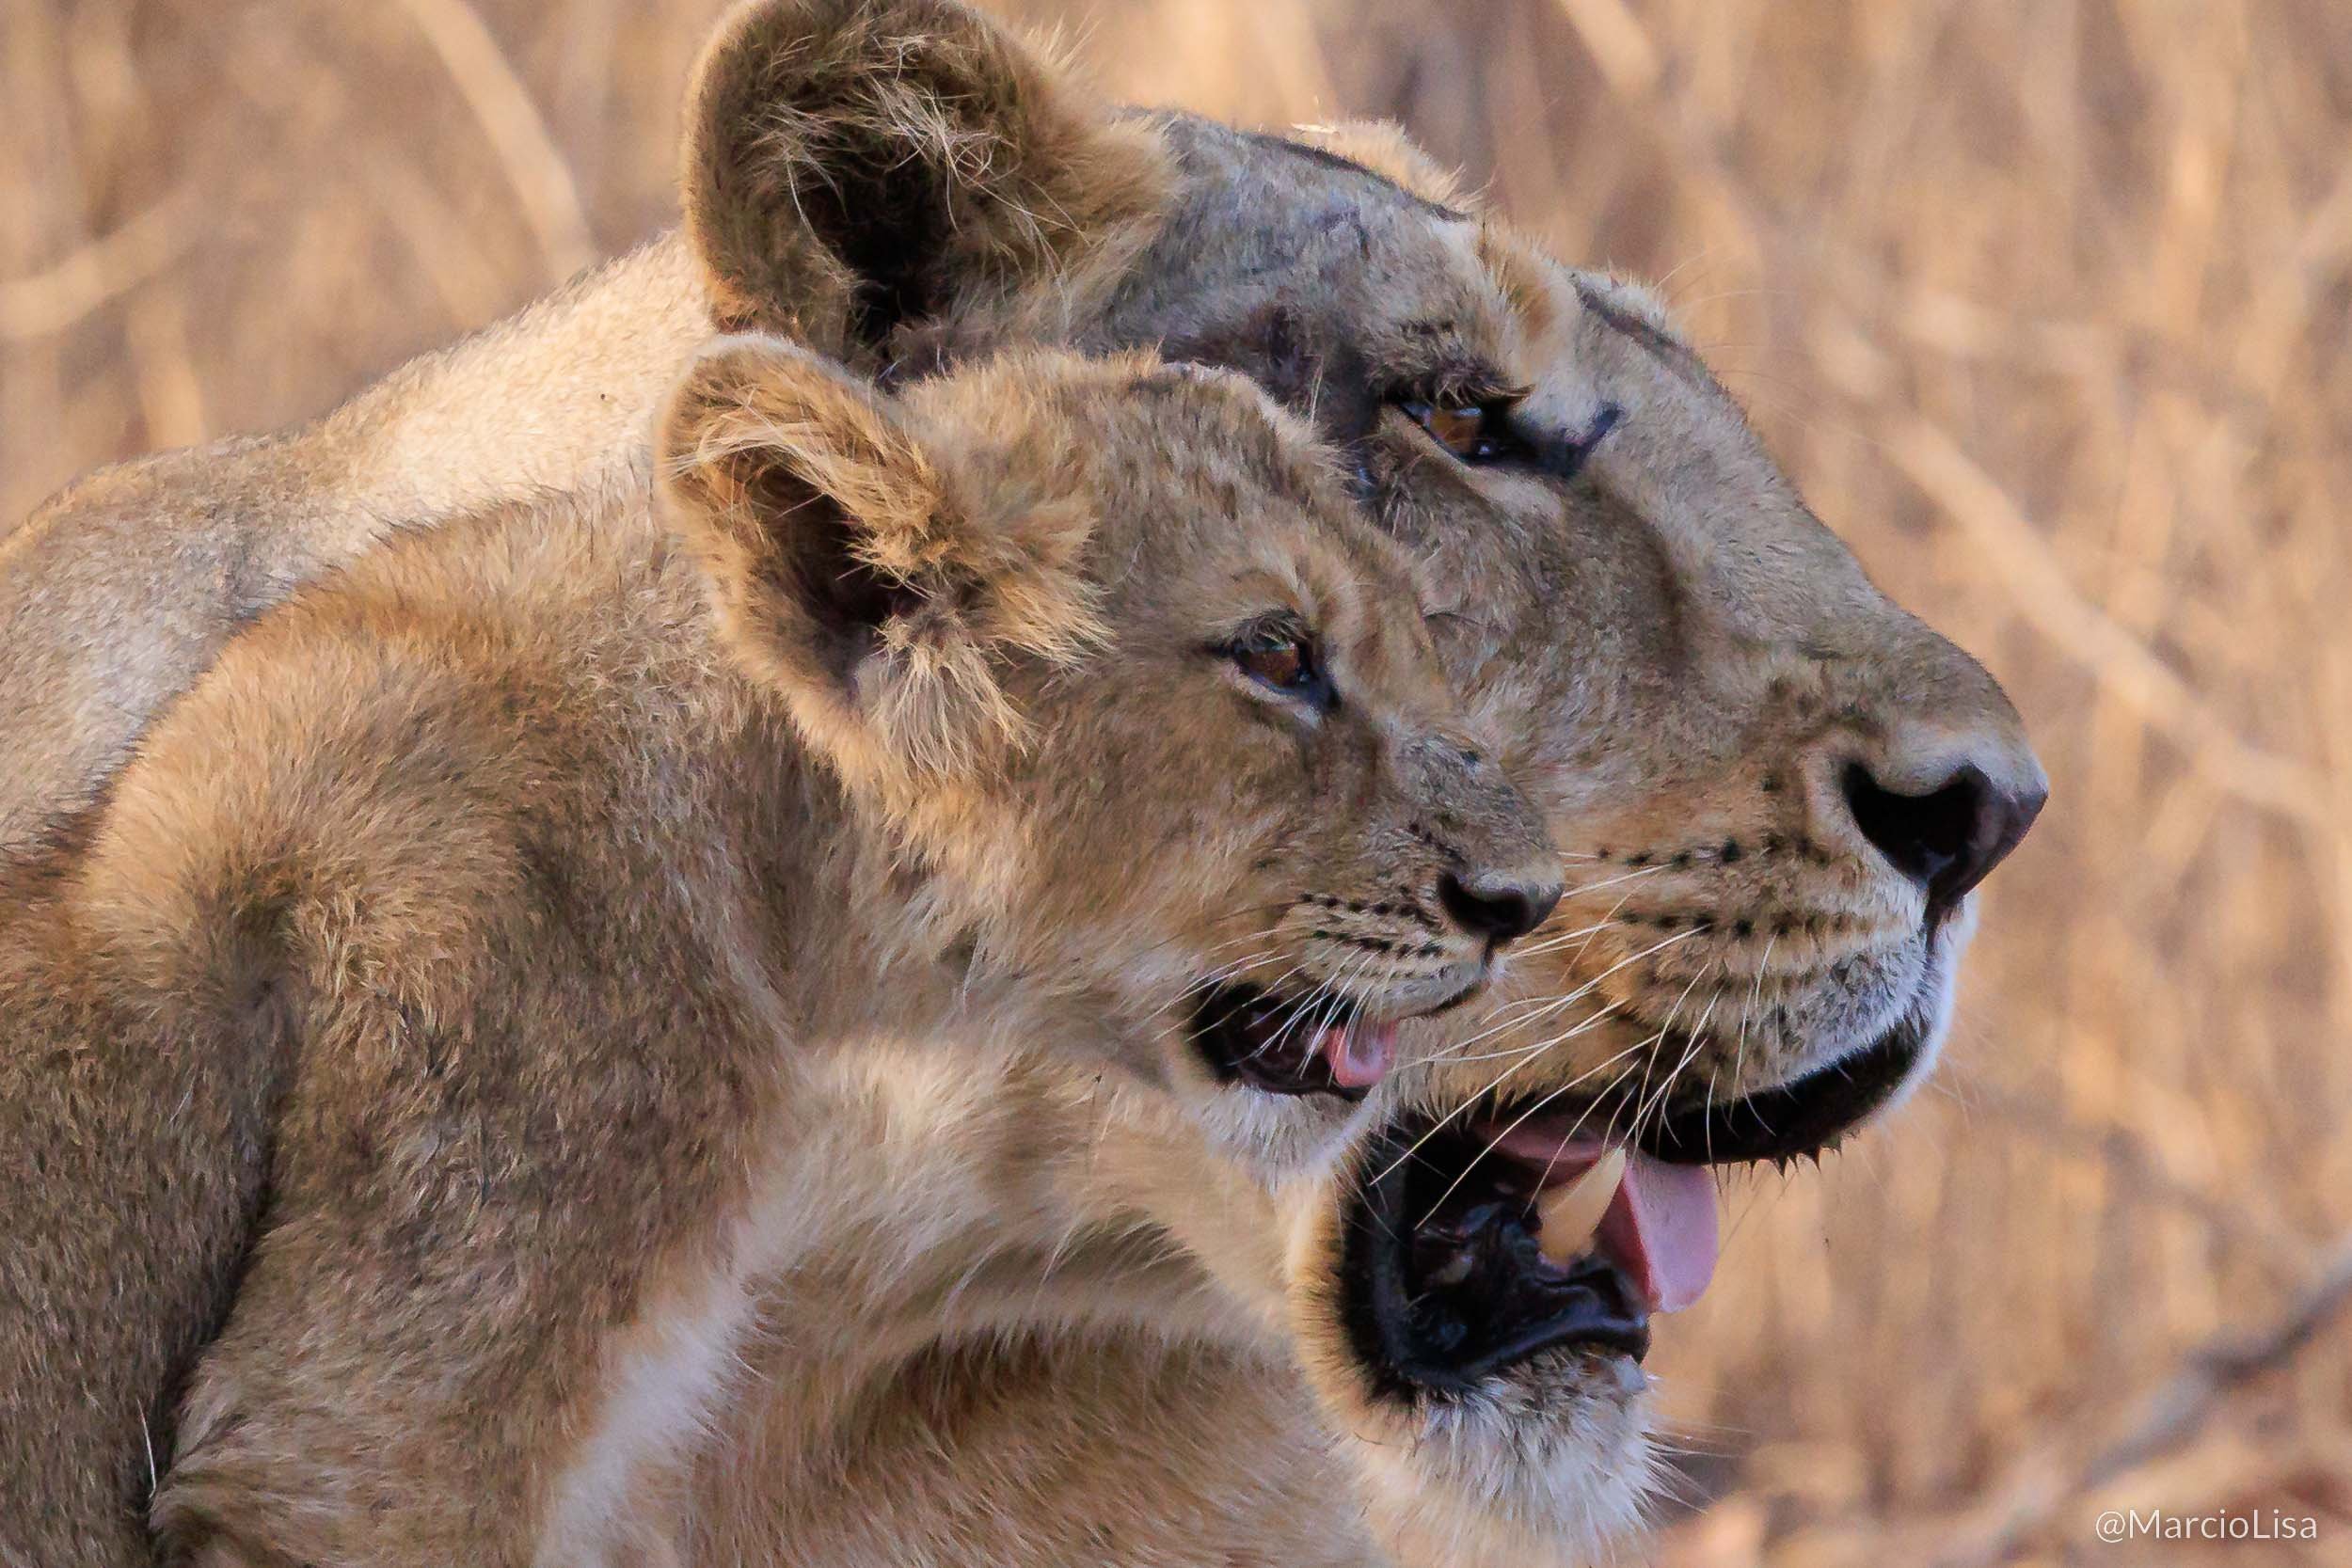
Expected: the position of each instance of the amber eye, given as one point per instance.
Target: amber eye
(1473, 431)
(1282, 658)
(1277, 663)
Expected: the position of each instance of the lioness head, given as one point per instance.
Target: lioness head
(1775, 789)
(1103, 644)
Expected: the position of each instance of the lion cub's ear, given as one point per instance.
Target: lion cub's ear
(856, 571)
(855, 165)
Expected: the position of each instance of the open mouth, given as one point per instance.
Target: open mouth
(1290, 1045)
(1478, 1241)
(1466, 1254)
(1468, 1250)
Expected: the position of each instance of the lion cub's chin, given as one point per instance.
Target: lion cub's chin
(1546, 1463)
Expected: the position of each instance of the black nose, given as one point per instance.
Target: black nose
(1947, 839)
(1497, 905)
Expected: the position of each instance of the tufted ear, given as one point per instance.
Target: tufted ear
(856, 572)
(857, 166)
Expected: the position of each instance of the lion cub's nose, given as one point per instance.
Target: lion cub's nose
(1947, 838)
(1501, 905)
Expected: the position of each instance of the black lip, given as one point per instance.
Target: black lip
(1417, 1335)
(1249, 1036)
(1797, 1119)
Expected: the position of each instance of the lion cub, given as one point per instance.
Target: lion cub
(503, 934)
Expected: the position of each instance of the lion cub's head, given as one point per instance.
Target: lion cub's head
(1104, 650)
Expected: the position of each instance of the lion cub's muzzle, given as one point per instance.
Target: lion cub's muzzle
(1336, 1035)
(1420, 929)
(1250, 1036)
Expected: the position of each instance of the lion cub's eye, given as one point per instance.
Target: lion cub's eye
(1277, 663)
(1282, 658)
(1473, 431)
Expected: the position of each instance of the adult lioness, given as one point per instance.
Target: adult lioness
(505, 895)
(1786, 784)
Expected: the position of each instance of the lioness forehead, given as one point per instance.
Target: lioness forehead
(1342, 271)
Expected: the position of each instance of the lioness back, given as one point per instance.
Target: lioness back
(114, 593)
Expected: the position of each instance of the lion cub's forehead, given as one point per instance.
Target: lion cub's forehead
(1200, 487)
(1144, 441)
(1222, 477)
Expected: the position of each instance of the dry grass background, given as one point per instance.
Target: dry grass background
(2044, 304)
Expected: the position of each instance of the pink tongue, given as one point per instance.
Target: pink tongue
(1359, 1054)
(1659, 1227)
(1660, 1230)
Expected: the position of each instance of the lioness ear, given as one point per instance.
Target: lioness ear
(1382, 147)
(855, 165)
(856, 574)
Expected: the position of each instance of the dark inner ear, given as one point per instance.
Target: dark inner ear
(885, 215)
(876, 146)
(847, 598)
(855, 167)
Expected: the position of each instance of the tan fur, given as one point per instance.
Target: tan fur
(1680, 658)
(586, 1009)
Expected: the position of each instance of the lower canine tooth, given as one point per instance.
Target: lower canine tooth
(1571, 1214)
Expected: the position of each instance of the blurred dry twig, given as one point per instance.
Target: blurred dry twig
(535, 164)
(2168, 1418)
(73, 287)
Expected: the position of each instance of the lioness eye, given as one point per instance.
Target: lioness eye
(1473, 431)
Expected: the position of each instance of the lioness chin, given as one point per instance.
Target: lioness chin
(1775, 789)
